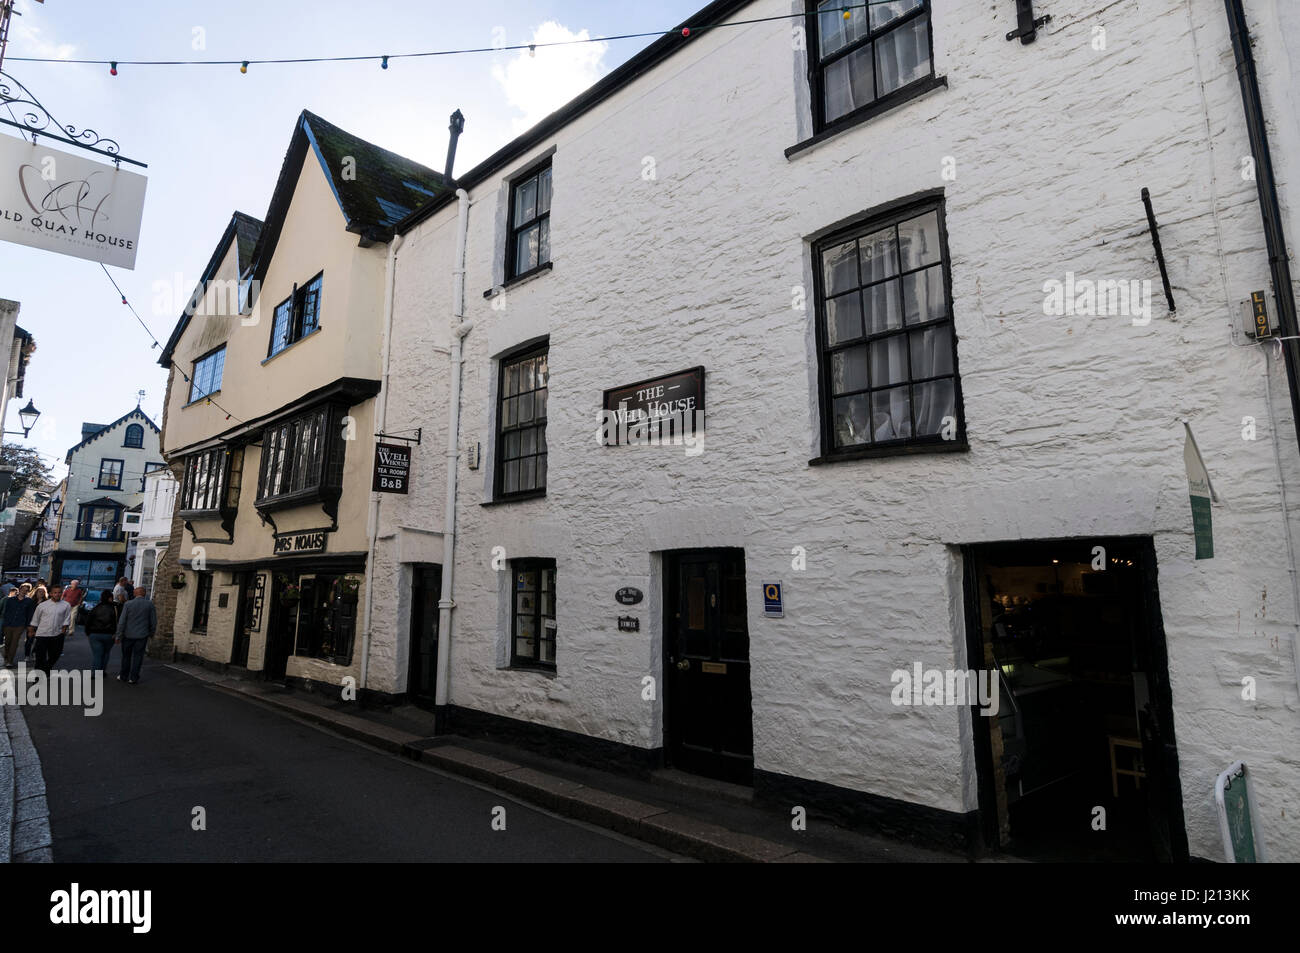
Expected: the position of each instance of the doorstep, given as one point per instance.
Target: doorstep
(678, 812)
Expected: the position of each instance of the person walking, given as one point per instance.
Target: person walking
(122, 591)
(136, 624)
(74, 595)
(17, 615)
(39, 595)
(49, 626)
(101, 628)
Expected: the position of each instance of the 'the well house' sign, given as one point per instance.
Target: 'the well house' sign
(662, 409)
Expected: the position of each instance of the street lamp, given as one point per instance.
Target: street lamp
(28, 415)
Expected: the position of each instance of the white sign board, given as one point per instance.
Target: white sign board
(69, 204)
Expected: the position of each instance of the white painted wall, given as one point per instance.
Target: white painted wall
(1074, 423)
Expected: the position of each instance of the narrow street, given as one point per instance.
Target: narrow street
(123, 786)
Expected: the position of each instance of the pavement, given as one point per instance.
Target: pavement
(24, 814)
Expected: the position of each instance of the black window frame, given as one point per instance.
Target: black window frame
(326, 622)
(202, 601)
(85, 519)
(201, 494)
(514, 227)
(540, 567)
(297, 323)
(286, 475)
(131, 430)
(195, 396)
(121, 474)
(817, 65)
(504, 431)
(874, 221)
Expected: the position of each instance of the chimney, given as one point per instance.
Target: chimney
(457, 127)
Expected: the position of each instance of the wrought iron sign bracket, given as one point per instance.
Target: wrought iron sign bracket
(415, 440)
(38, 121)
(1026, 24)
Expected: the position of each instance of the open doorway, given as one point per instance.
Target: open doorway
(1079, 763)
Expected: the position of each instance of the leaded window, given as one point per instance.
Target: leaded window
(207, 375)
(300, 456)
(204, 481)
(297, 316)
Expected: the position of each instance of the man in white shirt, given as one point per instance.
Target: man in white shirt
(50, 623)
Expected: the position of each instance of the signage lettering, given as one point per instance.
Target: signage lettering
(310, 541)
(392, 468)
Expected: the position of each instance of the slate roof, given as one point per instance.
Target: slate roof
(108, 428)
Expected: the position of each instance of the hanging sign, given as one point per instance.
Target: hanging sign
(392, 468)
(64, 203)
(1234, 798)
(662, 409)
(1202, 493)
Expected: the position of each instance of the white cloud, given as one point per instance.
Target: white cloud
(27, 38)
(537, 85)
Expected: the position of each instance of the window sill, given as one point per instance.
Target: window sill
(288, 347)
(900, 450)
(545, 670)
(113, 489)
(515, 498)
(319, 494)
(520, 279)
(200, 400)
(867, 113)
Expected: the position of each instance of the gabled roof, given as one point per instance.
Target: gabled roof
(244, 231)
(136, 413)
(375, 188)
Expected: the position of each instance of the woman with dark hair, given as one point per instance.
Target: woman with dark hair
(101, 628)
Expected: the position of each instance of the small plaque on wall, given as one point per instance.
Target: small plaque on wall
(629, 623)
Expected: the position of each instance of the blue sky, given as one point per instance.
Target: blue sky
(214, 140)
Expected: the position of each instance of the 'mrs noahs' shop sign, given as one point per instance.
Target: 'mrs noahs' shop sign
(658, 408)
(392, 468)
(307, 541)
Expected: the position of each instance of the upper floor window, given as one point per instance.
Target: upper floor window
(297, 316)
(301, 457)
(885, 330)
(149, 468)
(134, 436)
(206, 378)
(521, 425)
(530, 223)
(110, 475)
(866, 55)
(210, 481)
(98, 523)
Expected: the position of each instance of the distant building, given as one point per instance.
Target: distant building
(105, 480)
(151, 529)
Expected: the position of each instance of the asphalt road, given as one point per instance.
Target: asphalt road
(122, 786)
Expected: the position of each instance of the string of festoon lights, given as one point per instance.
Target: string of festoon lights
(685, 32)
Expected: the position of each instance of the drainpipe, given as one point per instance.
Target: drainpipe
(381, 420)
(460, 328)
(1270, 211)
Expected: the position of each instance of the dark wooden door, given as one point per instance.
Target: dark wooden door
(426, 590)
(248, 615)
(280, 631)
(707, 712)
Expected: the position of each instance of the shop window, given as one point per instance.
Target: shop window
(876, 56)
(529, 248)
(533, 629)
(521, 426)
(297, 316)
(202, 599)
(99, 523)
(888, 348)
(327, 617)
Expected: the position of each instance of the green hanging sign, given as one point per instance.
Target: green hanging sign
(1235, 800)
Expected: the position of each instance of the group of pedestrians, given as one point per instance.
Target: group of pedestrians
(46, 615)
